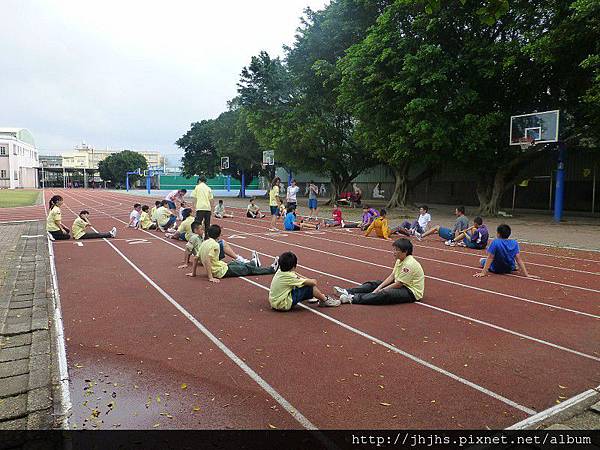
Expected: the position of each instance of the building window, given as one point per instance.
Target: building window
(16, 175)
(2, 150)
(3, 174)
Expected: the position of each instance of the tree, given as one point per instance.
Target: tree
(115, 166)
(200, 152)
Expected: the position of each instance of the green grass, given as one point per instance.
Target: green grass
(10, 198)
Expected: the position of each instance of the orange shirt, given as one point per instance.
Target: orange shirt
(381, 228)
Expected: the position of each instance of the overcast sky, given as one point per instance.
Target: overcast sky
(130, 74)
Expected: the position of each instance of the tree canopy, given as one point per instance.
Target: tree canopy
(115, 167)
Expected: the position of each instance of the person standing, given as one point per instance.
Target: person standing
(274, 202)
(292, 192)
(313, 192)
(204, 202)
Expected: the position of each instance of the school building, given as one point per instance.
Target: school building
(19, 159)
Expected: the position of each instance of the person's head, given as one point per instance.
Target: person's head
(56, 200)
(478, 221)
(366, 208)
(137, 207)
(459, 211)
(311, 182)
(221, 202)
(145, 208)
(291, 209)
(185, 213)
(84, 214)
(252, 200)
(424, 209)
(202, 179)
(287, 261)
(276, 181)
(164, 203)
(503, 231)
(214, 231)
(402, 248)
(182, 191)
(382, 212)
(293, 183)
(197, 228)
(157, 203)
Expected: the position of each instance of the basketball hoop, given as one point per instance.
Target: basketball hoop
(526, 142)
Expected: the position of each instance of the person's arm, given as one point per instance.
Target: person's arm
(309, 282)
(389, 280)
(194, 267)
(385, 229)
(370, 229)
(208, 266)
(521, 265)
(186, 259)
(486, 266)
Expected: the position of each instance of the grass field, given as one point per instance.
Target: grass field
(10, 198)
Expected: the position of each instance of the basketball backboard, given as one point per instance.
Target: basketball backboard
(541, 127)
(268, 157)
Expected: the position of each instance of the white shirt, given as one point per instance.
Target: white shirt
(424, 219)
(174, 196)
(135, 215)
(292, 191)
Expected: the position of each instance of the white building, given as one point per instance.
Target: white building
(86, 157)
(18, 159)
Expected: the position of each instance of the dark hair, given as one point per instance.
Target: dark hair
(404, 245)
(53, 201)
(183, 190)
(214, 231)
(275, 180)
(460, 209)
(287, 261)
(136, 205)
(293, 180)
(164, 202)
(252, 199)
(185, 213)
(157, 202)
(84, 212)
(382, 212)
(291, 209)
(220, 201)
(195, 225)
(145, 208)
(503, 231)
(425, 207)
(478, 220)
(202, 179)
(365, 206)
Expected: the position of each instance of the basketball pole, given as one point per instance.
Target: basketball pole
(560, 183)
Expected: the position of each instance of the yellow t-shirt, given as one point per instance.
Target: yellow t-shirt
(162, 215)
(145, 220)
(185, 227)
(280, 293)
(153, 213)
(410, 273)
(53, 216)
(210, 249)
(203, 195)
(78, 228)
(273, 194)
(194, 243)
(381, 228)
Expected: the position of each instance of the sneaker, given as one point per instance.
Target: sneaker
(412, 231)
(346, 298)
(342, 224)
(329, 301)
(243, 260)
(171, 230)
(275, 264)
(340, 291)
(318, 226)
(50, 236)
(449, 243)
(312, 300)
(113, 232)
(169, 235)
(461, 244)
(255, 258)
(417, 234)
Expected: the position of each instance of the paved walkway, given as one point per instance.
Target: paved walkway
(27, 385)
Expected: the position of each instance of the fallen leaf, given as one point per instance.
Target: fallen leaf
(196, 408)
(156, 425)
(562, 387)
(272, 426)
(183, 386)
(385, 404)
(381, 386)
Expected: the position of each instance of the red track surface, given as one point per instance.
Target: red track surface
(475, 353)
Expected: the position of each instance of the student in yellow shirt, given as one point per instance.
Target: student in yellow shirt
(211, 258)
(205, 202)
(380, 226)
(164, 218)
(157, 205)
(405, 284)
(146, 222)
(82, 222)
(288, 288)
(54, 226)
(184, 232)
(275, 202)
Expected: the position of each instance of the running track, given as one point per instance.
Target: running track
(158, 349)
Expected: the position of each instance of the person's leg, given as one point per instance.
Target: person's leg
(249, 215)
(60, 236)
(237, 269)
(446, 233)
(89, 235)
(401, 229)
(385, 297)
(459, 237)
(365, 288)
(227, 250)
(351, 225)
(206, 217)
(199, 216)
(435, 229)
(254, 270)
(482, 261)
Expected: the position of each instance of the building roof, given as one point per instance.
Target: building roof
(22, 134)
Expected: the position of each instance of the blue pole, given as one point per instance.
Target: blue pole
(560, 183)
(127, 182)
(243, 187)
(148, 182)
(228, 183)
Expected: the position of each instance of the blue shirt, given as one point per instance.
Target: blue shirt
(288, 223)
(504, 251)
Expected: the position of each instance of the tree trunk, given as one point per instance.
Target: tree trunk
(338, 184)
(398, 198)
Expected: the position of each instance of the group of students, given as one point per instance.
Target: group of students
(79, 229)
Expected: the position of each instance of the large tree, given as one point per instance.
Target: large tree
(200, 152)
(115, 167)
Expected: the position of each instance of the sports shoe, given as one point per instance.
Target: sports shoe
(346, 298)
(113, 232)
(171, 230)
(275, 264)
(417, 234)
(312, 300)
(318, 226)
(342, 224)
(50, 236)
(255, 258)
(340, 291)
(412, 231)
(329, 301)
(242, 259)
(461, 244)
(449, 243)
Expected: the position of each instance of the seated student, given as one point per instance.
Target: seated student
(82, 222)
(369, 215)
(461, 224)
(291, 222)
(475, 237)
(210, 257)
(288, 288)
(184, 231)
(196, 238)
(405, 284)
(503, 255)
(157, 205)
(380, 226)
(337, 219)
(220, 211)
(134, 216)
(145, 220)
(253, 210)
(164, 218)
(54, 225)
(418, 227)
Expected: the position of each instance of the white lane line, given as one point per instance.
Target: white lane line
(451, 375)
(32, 236)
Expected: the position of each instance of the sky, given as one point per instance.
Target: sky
(130, 74)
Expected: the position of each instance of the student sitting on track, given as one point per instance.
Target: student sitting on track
(503, 255)
(405, 284)
(288, 288)
(253, 210)
(54, 225)
(164, 218)
(134, 216)
(220, 211)
(291, 222)
(369, 215)
(475, 237)
(157, 205)
(184, 231)
(82, 222)
(210, 255)
(461, 224)
(146, 222)
(380, 226)
(418, 227)
(337, 220)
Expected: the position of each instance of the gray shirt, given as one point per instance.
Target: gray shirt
(312, 192)
(462, 223)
